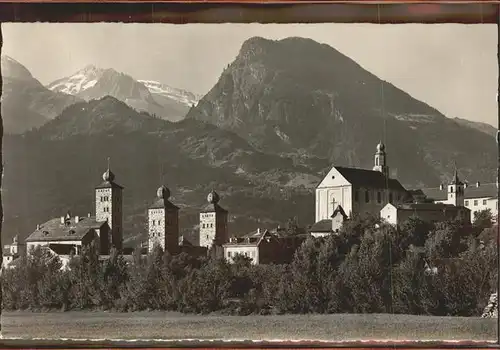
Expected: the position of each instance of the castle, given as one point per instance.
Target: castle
(343, 193)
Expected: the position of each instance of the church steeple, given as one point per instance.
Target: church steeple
(381, 160)
(456, 190)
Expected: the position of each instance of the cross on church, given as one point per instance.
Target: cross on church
(333, 204)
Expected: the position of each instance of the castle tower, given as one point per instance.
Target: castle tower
(163, 222)
(109, 207)
(213, 223)
(456, 193)
(381, 160)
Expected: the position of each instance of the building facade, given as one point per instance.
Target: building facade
(476, 197)
(163, 222)
(213, 223)
(109, 207)
(427, 212)
(264, 246)
(68, 234)
(358, 191)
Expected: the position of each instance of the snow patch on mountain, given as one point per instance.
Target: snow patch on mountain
(179, 95)
(80, 81)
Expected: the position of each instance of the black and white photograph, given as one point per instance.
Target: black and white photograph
(327, 182)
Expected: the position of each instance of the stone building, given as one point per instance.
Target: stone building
(476, 197)
(68, 234)
(163, 222)
(109, 207)
(427, 212)
(213, 223)
(359, 191)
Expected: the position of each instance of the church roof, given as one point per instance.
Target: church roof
(161, 203)
(369, 179)
(54, 230)
(322, 226)
(339, 210)
(488, 190)
(213, 208)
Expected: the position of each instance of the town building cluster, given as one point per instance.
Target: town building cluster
(343, 193)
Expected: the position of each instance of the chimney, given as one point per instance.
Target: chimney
(38, 227)
(62, 220)
(258, 230)
(466, 185)
(478, 184)
(88, 215)
(77, 219)
(441, 187)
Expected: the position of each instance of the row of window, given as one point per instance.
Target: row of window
(247, 254)
(154, 222)
(105, 209)
(476, 202)
(379, 197)
(155, 234)
(104, 198)
(207, 225)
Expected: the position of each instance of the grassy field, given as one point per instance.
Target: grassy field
(168, 325)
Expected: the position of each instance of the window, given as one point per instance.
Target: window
(154, 222)
(484, 201)
(159, 222)
(228, 254)
(203, 225)
(466, 203)
(367, 196)
(475, 202)
(379, 197)
(451, 189)
(211, 225)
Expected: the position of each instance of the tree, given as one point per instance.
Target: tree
(483, 219)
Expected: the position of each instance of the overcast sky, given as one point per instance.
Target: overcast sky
(452, 67)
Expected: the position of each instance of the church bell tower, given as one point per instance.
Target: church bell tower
(456, 193)
(381, 160)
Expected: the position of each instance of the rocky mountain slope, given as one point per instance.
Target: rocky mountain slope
(298, 97)
(483, 127)
(148, 96)
(60, 163)
(26, 103)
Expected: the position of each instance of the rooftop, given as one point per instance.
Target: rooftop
(487, 190)
(70, 230)
(369, 179)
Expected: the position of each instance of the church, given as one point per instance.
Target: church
(345, 192)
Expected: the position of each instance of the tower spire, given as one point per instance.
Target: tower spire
(109, 160)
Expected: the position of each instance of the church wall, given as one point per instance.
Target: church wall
(389, 213)
(324, 200)
(373, 206)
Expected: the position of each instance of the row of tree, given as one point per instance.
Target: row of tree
(369, 267)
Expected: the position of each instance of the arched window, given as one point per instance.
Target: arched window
(451, 189)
